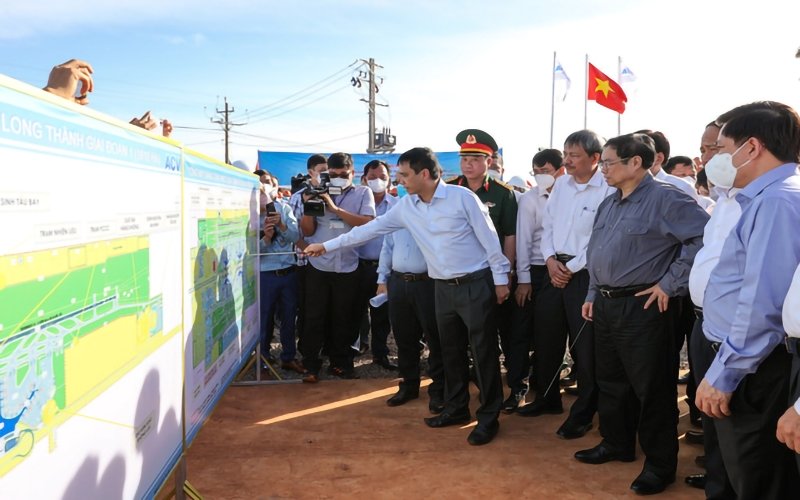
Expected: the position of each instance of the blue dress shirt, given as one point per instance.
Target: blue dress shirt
(746, 291)
(400, 253)
(282, 242)
(371, 250)
(453, 231)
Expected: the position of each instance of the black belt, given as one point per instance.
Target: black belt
(792, 345)
(563, 258)
(467, 277)
(373, 263)
(615, 292)
(283, 272)
(698, 312)
(410, 276)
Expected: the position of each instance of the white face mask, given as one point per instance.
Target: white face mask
(377, 185)
(544, 181)
(339, 182)
(494, 174)
(720, 169)
(272, 192)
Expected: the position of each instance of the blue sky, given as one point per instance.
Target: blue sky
(447, 65)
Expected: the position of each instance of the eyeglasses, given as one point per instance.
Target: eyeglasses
(604, 164)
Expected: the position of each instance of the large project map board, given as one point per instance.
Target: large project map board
(90, 302)
(220, 279)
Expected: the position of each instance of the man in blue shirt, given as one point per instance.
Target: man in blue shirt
(331, 281)
(746, 387)
(455, 234)
(278, 280)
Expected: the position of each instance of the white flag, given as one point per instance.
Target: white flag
(560, 74)
(626, 75)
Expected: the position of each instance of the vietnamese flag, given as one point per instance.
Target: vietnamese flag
(605, 91)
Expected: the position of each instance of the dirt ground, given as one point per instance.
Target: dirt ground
(338, 439)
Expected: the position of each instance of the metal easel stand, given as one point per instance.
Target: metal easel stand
(258, 381)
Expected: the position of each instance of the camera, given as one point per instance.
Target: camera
(315, 206)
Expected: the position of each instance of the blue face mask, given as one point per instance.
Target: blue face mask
(401, 191)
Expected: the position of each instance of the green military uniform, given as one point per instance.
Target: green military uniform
(500, 200)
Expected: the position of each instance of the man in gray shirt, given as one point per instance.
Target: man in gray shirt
(643, 243)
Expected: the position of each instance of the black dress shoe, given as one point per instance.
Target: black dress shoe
(481, 435)
(436, 405)
(405, 394)
(342, 373)
(571, 390)
(600, 454)
(446, 419)
(572, 430)
(540, 407)
(511, 404)
(693, 437)
(383, 361)
(696, 481)
(650, 483)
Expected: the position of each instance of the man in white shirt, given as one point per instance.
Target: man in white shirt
(788, 430)
(531, 270)
(567, 227)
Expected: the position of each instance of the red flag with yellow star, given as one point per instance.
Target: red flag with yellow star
(605, 91)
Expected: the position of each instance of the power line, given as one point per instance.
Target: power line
(299, 145)
(282, 101)
(303, 105)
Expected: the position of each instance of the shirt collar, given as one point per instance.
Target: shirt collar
(661, 175)
(440, 192)
(639, 192)
(596, 180)
(766, 179)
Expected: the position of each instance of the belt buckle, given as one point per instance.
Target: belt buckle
(605, 293)
(407, 277)
(455, 281)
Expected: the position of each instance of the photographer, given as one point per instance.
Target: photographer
(278, 277)
(331, 281)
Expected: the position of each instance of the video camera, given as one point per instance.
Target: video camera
(315, 207)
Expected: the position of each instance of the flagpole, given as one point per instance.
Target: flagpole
(619, 79)
(586, 91)
(553, 99)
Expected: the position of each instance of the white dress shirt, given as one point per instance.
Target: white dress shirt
(679, 183)
(529, 232)
(569, 216)
(791, 315)
(453, 231)
(723, 218)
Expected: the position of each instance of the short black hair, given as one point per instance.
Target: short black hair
(636, 144)
(675, 161)
(376, 164)
(551, 156)
(774, 124)
(702, 179)
(315, 160)
(259, 172)
(420, 159)
(340, 160)
(588, 140)
(660, 140)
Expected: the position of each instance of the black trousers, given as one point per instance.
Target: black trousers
(412, 314)
(701, 355)
(516, 338)
(635, 375)
(794, 392)
(464, 317)
(330, 318)
(684, 326)
(371, 318)
(758, 465)
(556, 313)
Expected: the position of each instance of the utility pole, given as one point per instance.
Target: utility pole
(226, 126)
(385, 141)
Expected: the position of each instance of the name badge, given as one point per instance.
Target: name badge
(336, 224)
(489, 204)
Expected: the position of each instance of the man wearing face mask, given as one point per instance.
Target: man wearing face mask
(331, 285)
(746, 386)
(723, 218)
(376, 176)
(496, 168)
(531, 270)
(476, 175)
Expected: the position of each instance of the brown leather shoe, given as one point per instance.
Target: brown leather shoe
(293, 365)
(310, 378)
